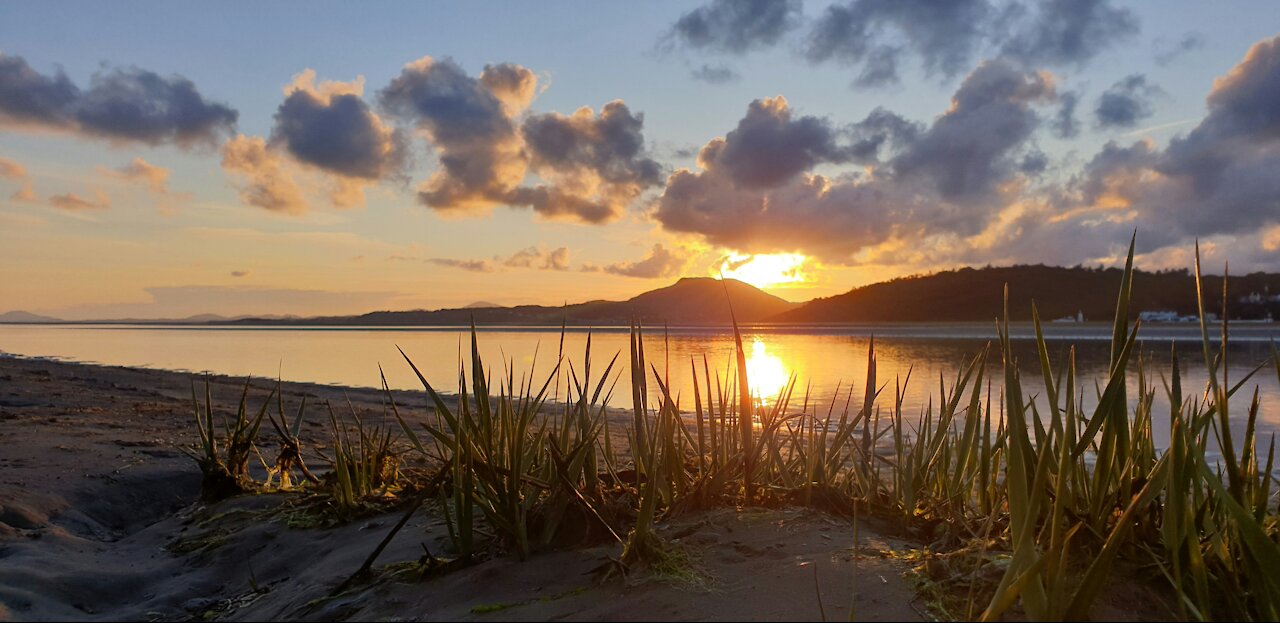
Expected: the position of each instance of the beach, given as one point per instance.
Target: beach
(100, 519)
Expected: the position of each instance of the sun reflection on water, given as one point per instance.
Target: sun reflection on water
(765, 372)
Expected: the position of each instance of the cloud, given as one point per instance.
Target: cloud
(715, 74)
(233, 301)
(596, 163)
(1219, 178)
(734, 26)
(261, 176)
(156, 178)
(1167, 52)
(478, 266)
(329, 126)
(873, 35)
(120, 105)
(471, 124)
(880, 130)
(1065, 124)
(74, 202)
(240, 273)
(1126, 103)
(876, 37)
(951, 176)
(969, 150)
(1065, 32)
(28, 97)
(769, 146)
(660, 262)
(11, 170)
(326, 135)
(1215, 183)
(591, 165)
(557, 259)
(536, 257)
(15, 172)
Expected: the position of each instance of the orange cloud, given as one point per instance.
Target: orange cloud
(74, 202)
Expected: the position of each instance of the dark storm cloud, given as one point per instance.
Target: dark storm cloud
(337, 132)
(1065, 32)
(735, 26)
(869, 34)
(122, 104)
(1126, 103)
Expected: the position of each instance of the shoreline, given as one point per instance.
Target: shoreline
(99, 520)
(1242, 331)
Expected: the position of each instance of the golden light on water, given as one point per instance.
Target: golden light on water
(765, 372)
(763, 271)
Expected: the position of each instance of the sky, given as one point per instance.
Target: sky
(240, 158)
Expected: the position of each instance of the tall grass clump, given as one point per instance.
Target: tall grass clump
(225, 447)
(533, 477)
(1033, 501)
(363, 459)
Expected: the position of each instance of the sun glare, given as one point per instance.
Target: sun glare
(764, 271)
(765, 372)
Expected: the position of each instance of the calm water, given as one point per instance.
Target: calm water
(824, 358)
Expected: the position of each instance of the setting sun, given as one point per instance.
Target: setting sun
(764, 271)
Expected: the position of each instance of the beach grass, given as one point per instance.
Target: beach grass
(1033, 500)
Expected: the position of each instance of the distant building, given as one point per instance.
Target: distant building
(1159, 316)
(1079, 317)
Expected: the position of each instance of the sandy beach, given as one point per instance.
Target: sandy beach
(99, 520)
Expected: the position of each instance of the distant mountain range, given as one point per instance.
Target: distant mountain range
(25, 317)
(977, 294)
(967, 294)
(22, 317)
(690, 301)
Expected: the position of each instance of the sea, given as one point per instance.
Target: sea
(825, 366)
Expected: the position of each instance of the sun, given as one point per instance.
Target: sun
(764, 271)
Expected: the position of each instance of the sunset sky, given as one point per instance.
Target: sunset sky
(167, 159)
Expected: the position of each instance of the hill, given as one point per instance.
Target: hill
(18, 316)
(976, 294)
(689, 301)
